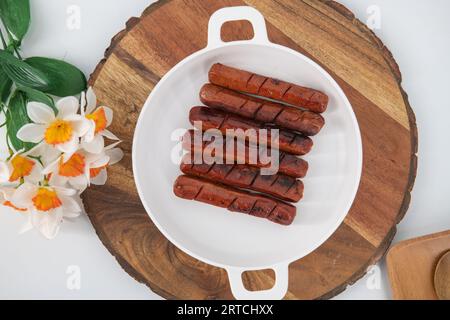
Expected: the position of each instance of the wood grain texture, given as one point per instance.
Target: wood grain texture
(442, 277)
(328, 33)
(411, 266)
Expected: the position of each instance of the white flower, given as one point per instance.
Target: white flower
(61, 131)
(48, 206)
(73, 170)
(45, 152)
(110, 156)
(99, 120)
(45, 183)
(83, 167)
(6, 194)
(20, 168)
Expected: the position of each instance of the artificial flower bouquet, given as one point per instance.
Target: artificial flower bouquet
(55, 149)
(46, 181)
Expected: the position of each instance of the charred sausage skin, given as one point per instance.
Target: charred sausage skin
(306, 122)
(244, 81)
(242, 176)
(288, 141)
(288, 164)
(193, 188)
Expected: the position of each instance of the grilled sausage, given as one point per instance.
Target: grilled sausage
(215, 119)
(288, 164)
(192, 188)
(252, 83)
(247, 177)
(306, 122)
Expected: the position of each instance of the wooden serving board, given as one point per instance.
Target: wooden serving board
(326, 31)
(411, 266)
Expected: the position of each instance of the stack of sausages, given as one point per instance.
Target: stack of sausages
(237, 182)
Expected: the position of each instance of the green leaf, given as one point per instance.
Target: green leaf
(5, 86)
(64, 79)
(22, 73)
(16, 118)
(38, 96)
(15, 15)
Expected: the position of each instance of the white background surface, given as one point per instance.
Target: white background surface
(416, 31)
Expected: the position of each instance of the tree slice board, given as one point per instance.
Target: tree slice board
(411, 266)
(327, 32)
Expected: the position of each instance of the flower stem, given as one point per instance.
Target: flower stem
(11, 41)
(11, 152)
(17, 53)
(3, 40)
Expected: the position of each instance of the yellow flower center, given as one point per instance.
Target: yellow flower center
(93, 172)
(9, 204)
(99, 118)
(74, 167)
(46, 199)
(21, 168)
(59, 131)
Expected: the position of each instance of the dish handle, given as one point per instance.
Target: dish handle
(233, 14)
(277, 292)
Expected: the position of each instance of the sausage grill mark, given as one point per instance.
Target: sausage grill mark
(250, 115)
(242, 176)
(247, 82)
(214, 119)
(288, 164)
(260, 110)
(234, 199)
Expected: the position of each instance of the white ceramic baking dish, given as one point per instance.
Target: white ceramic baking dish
(238, 242)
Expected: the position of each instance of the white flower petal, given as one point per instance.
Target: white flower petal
(69, 204)
(36, 174)
(113, 145)
(108, 134)
(22, 197)
(90, 134)
(6, 193)
(74, 117)
(61, 191)
(66, 157)
(67, 106)
(49, 154)
(71, 215)
(70, 147)
(36, 151)
(36, 218)
(4, 172)
(80, 126)
(32, 132)
(91, 99)
(95, 146)
(101, 178)
(115, 155)
(108, 114)
(49, 223)
(58, 181)
(40, 113)
(51, 167)
(80, 183)
(83, 103)
(101, 161)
